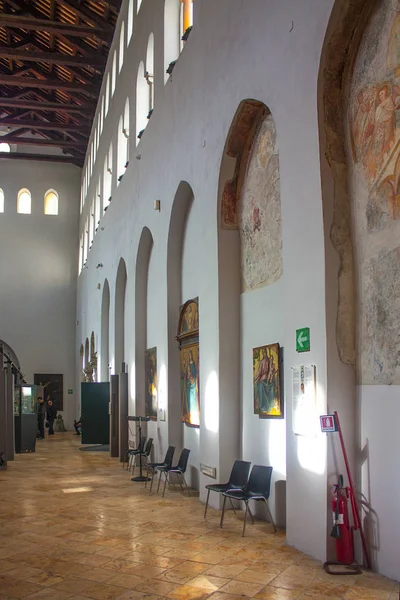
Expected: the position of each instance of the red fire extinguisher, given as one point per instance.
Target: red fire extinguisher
(342, 530)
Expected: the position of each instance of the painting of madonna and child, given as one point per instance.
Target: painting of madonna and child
(266, 382)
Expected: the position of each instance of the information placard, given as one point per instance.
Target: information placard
(304, 400)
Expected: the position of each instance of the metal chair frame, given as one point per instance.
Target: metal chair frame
(144, 454)
(237, 480)
(152, 468)
(179, 469)
(132, 453)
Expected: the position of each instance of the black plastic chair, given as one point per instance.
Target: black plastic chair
(257, 488)
(153, 466)
(237, 480)
(135, 451)
(179, 469)
(144, 454)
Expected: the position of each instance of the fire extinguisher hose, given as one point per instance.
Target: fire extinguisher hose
(335, 533)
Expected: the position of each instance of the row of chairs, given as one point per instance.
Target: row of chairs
(142, 452)
(244, 485)
(166, 468)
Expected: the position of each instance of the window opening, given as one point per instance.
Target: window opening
(121, 47)
(114, 74)
(4, 147)
(51, 203)
(24, 200)
(1, 201)
(130, 21)
(107, 97)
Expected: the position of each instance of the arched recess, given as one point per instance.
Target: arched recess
(180, 210)
(105, 333)
(142, 102)
(141, 278)
(359, 133)
(250, 271)
(120, 293)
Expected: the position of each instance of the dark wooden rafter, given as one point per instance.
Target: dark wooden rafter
(41, 157)
(52, 59)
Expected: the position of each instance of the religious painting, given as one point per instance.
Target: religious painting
(151, 383)
(373, 144)
(188, 339)
(190, 385)
(268, 402)
(53, 388)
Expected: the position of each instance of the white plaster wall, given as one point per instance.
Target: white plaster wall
(231, 55)
(380, 448)
(38, 272)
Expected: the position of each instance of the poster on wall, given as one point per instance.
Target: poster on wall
(304, 400)
(188, 338)
(53, 388)
(268, 401)
(151, 383)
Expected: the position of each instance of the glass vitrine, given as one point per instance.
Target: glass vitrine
(25, 418)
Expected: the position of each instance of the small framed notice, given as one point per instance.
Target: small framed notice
(304, 400)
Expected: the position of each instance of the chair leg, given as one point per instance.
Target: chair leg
(223, 513)
(270, 516)
(153, 472)
(159, 480)
(134, 465)
(205, 510)
(187, 487)
(251, 515)
(230, 500)
(245, 517)
(165, 483)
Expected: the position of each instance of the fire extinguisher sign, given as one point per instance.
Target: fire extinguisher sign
(328, 423)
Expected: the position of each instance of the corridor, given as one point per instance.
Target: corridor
(73, 526)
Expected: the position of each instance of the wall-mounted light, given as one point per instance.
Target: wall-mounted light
(157, 205)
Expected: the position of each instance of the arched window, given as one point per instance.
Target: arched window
(24, 202)
(186, 18)
(149, 74)
(102, 115)
(130, 21)
(80, 258)
(95, 146)
(114, 74)
(85, 241)
(91, 224)
(123, 141)
(1, 201)
(107, 179)
(51, 203)
(98, 132)
(97, 208)
(121, 47)
(172, 42)
(4, 147)
(142, 102)
(139, 3)
(107, 97)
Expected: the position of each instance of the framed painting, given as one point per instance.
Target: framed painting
(190, 385)
(268, 402)
(151, 404)
(53, 388)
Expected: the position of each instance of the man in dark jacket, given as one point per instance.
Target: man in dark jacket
(41, 410)
(51, 415)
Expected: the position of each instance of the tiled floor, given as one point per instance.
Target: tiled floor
(73, 525)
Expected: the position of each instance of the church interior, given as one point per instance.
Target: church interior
(185, 270)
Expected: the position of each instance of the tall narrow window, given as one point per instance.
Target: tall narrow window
(24, 202)
(114, 74)
(51, 203)
(97, 208)
(121, 47)
(4, 147)
(102, 115)
(149, 74)
(107, 179)
(123, 142)
(98, 132)
(95, 146)
(172, 44)
(1, 201)
(107, 97)
(80, 255)
(186, 18)
(142, 102)
(139, 3)
(91, 224)
(85, 241)
(130, 21)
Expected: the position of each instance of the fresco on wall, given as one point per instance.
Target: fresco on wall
(53, 388)
(374, 142)
(266, 381)
(150, 362)
(188, 339)
(259, 211)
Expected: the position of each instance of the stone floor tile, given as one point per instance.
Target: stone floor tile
(186, 592)
(103, 591)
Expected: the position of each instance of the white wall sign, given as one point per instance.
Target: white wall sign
(304, 405)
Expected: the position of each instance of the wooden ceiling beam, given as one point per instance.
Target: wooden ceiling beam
(12, 138)
(49, 84)
(56, 58)
(32, 24)
(87, 15)
(46, 106)
(44, 125)
(41, 157)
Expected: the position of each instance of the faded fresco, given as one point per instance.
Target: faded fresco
(374, 143)
(188, 339)
(259, 213)
(151, 403)
(266, 381)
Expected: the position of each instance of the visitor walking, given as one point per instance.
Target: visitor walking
(51, 415)
(41, 411)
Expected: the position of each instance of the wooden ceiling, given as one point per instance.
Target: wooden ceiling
(52, 59)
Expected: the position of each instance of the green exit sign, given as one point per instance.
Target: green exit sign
(70, 392)
(303, 339)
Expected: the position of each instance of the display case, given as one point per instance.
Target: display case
(25, 418)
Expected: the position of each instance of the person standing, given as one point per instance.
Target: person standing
(51, 415)
(41, 410)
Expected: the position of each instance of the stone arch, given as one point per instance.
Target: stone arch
(182, 204)
(105, 333)
(141, 282)
(120, 294)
